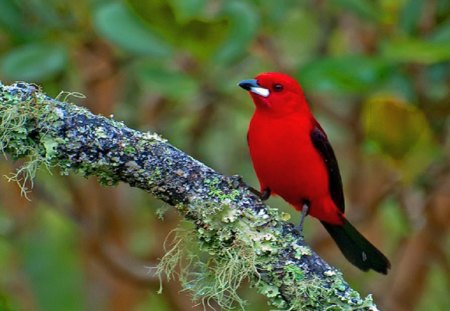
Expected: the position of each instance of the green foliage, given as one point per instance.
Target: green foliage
(187, 10)
(118, 23)
(10, 15)
(332, 74)
(410, 15)
(14, 141)
(405, 137)
(49, 254)
(419, 51)
(165, 81)
(34, 62)
(365, 9)
(243, 25)
(438, 285)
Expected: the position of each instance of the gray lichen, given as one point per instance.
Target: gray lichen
(243, 238)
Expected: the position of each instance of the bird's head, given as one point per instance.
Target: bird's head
(276, 93)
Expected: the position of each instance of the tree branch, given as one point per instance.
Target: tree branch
(244, 238)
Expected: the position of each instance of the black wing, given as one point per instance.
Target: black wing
(320, 141)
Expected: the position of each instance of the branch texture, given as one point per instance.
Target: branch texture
(244, 238)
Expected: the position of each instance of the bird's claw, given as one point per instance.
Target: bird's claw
(237, 181)
(265, 194)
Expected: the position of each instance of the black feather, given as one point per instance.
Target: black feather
(356, 248)
(323, 146)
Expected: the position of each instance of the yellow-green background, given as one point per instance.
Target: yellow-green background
(376, 74)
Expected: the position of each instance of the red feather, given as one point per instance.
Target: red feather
(292, 158)
(286, 162)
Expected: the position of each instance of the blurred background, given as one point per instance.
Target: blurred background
(376, 74)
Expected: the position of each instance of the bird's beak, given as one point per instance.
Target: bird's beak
(252, 85)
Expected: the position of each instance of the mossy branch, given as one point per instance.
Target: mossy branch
(244, 238)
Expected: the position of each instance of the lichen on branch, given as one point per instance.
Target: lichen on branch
(241, 237)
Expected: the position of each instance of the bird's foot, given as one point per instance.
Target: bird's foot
(265, 194)
(305, 211)
(237, 181)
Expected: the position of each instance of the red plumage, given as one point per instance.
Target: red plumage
(286, 162)
(292, 158)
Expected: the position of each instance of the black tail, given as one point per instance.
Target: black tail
(356, 248)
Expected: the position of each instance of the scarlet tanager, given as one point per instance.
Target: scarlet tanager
(293, 158)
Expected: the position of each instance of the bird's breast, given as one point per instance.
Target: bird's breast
(285, 159)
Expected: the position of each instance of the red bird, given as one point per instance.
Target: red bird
(292, 158)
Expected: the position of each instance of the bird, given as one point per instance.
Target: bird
(293, 158)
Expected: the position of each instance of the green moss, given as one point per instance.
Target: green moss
(294, 273)
(215, 278)
(154, 137)
(64, 96)
(129, 150)
(216, 191)
(218, 276)
(106, 176)
(231, 254)
(16, 127)
(161, 211)
(301, 251)
(236, 244)
(156, 175)
(174, 256)
(268, 290)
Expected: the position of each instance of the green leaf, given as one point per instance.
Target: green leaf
(410, 15)
(441, 33)
(10, 15)
(123, 27)
(276, 11)
(46, 13)
(34, 62)
(243, 26)
(351, 73)
(162, 80)
(442, 8)
(401, 132)
(51, 260)
(185, 10)
(415, 50)
(300, 45)
(365, 9)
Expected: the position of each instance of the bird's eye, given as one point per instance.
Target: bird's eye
(277, 87)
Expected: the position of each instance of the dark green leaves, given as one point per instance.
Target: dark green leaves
(121, 26)
(410, 15)
(353, 73)
(161, 80)
(50, 256)
(365, 9)
(243, 26)
(415, 50)
(399, 131)
(185, 10)
(10, 15)
(33, 62)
